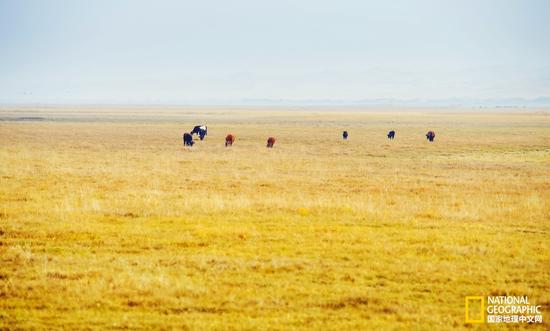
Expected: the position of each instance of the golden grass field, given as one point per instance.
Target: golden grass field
(108, 222)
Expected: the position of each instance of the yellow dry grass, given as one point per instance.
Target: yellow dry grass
(114, 224)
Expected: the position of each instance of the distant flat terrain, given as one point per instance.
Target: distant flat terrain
(106, 220)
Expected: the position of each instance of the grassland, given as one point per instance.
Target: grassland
(107, 221)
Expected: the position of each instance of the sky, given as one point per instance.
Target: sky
(185, 52)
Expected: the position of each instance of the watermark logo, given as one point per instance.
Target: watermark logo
(474, 309)
(501, 309)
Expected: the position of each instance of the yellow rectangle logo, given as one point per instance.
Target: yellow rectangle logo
(475, 309)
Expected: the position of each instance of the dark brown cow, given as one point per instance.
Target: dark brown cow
(430, 135)
(270, 142)
(229, 140)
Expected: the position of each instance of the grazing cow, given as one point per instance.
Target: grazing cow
(229, 140)
(270, 142)
(188, 139)
(201, 130)
(391, 134)
(345, 135)
(430, 135)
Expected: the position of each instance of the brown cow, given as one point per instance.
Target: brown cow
(270, 142)
(229, 140)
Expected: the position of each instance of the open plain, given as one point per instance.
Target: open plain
(107, 221)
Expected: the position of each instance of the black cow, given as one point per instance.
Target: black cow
(201, 130)
(345, 135)
(430, 135)
(188, 139)
(391, 134)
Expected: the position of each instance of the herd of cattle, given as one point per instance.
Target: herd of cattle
(202, 131)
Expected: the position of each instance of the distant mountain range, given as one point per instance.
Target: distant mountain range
(381, 102)
(449, 102)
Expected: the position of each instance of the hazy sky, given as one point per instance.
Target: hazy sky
(195, 51)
